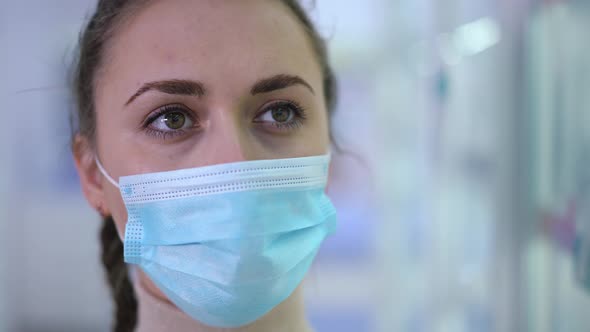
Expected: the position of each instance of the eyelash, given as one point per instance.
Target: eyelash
(165, 135)
(299, 116)
(298, 110)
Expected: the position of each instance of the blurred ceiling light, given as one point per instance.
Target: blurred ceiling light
(469, 39)
(476, 37)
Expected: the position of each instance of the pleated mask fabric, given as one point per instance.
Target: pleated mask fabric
(227, 243)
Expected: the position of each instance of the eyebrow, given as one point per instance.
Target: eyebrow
(279, 82)
(172, 87)
(197, 89)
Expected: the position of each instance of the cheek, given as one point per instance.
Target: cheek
(322, 131)
(117, 209)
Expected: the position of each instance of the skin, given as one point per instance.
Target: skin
(227, 46)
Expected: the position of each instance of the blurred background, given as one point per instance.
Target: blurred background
(464, 201)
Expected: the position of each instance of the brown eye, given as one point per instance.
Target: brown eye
(171, 119)
(281, 114)
(174, 120)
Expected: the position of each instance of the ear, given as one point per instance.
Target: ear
(90, 176)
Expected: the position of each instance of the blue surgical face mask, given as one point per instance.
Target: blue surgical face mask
(227, 243)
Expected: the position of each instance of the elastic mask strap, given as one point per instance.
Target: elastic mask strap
(104, 172)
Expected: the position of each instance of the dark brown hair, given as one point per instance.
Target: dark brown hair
(109, 14)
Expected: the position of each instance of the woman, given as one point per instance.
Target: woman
(203, 142)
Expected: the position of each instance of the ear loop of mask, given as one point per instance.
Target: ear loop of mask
(104, 172)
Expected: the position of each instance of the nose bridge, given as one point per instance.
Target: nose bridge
(228, 141)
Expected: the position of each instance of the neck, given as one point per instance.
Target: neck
(157, 313)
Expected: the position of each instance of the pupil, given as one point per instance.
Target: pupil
(175, 120)
(280, 114)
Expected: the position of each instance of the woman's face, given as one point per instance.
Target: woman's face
(192, 83)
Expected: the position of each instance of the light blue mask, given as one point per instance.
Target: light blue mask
(227, 243)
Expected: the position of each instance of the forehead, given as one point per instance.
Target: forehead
(210, 40)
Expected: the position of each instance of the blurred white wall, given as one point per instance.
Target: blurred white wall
(6, 269)
(3, 192)
(53, 280)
